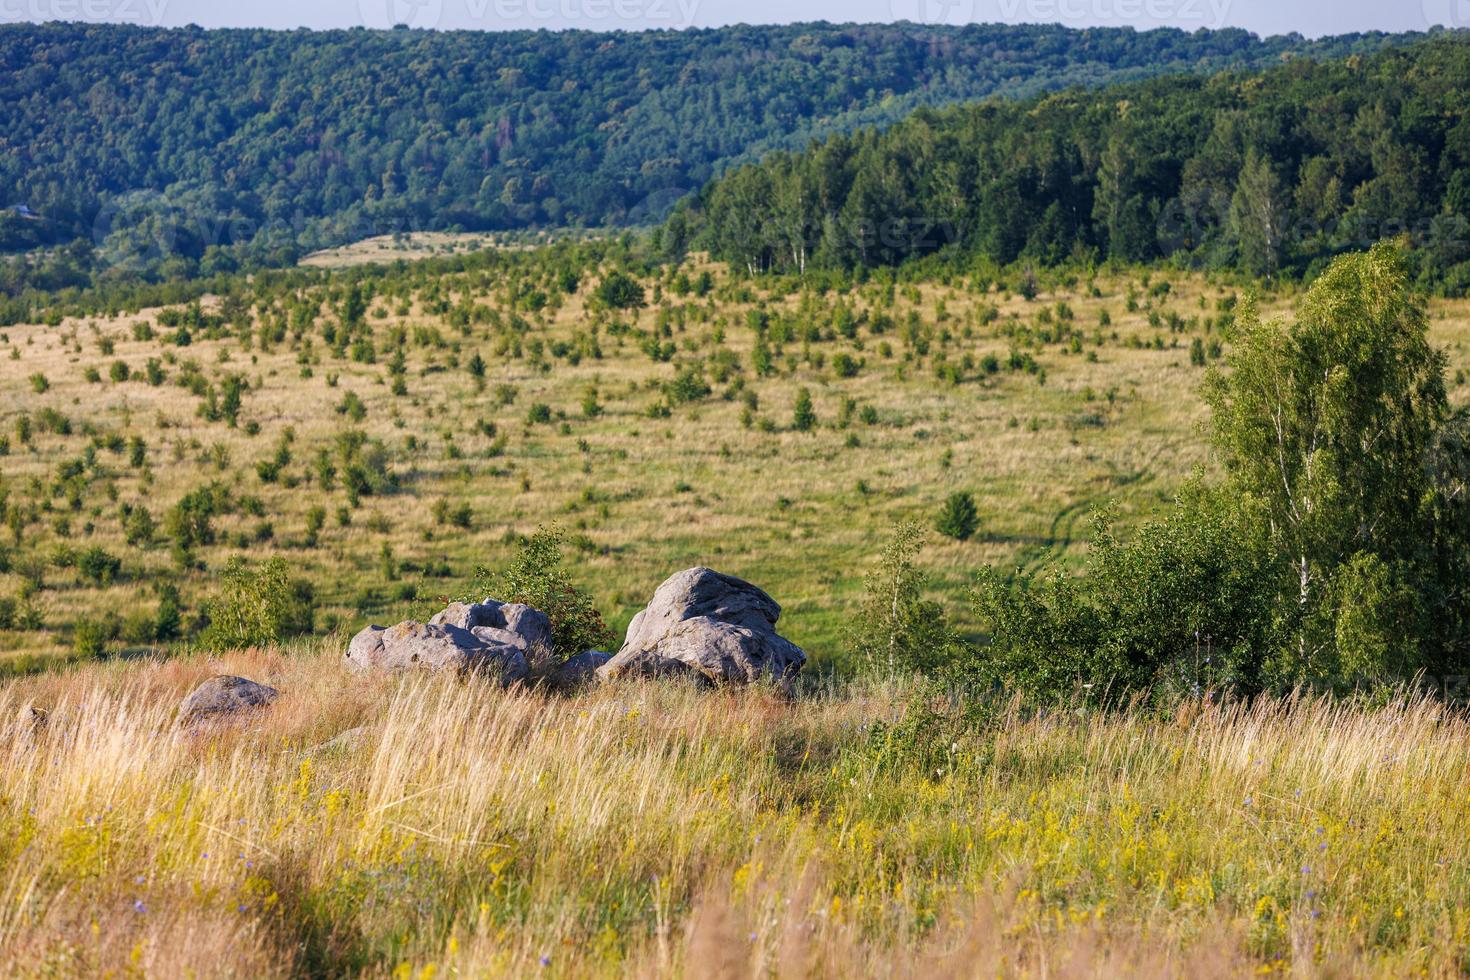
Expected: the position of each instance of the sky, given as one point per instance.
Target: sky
(1313, 18)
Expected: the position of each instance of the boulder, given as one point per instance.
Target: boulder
(578, 670)
(225, 695)
(436, 646)
(718, 626)
(530, 624)
(697, 592)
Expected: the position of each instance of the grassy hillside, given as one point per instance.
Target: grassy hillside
(658, 831)
(632, 429)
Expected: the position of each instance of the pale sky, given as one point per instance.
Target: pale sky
(1310, 17)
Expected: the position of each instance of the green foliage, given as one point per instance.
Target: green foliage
(1212, 173)
(896, 628)
(958, 519)
(138, 527)
(1335, 552)
(89, 639)
(1327, 423)
(620, 291)
(255, 607)
(535, 576)
(190, 522)
(803, 415)
(1185, 603)
(98, 566)
(527, 128)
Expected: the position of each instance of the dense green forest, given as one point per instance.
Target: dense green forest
(1269, 173)
(174, 153)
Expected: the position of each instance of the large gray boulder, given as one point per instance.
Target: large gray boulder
(697, 592)
(225, 695)
(436, 646)
(718, 626)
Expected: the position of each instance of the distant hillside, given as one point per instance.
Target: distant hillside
(1266, 173)
(178, 152)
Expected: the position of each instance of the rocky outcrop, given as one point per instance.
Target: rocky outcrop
(716, 626)
(440, 646)
(531, 625)
(700, 624)
(225, 695)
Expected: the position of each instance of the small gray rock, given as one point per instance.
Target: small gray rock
(578, 670)
(225, 695)
(636, 664)
(531, 623)
(339, 742)
(722, 652)
(465, 615)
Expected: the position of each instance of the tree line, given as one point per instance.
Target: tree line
(168, 154)
(1269, 173)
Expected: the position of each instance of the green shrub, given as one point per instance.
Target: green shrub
(1186, 603)
(620, 291)
(958, 519)
(803, 416)
(536, 577)
(98, 566)
(138, 628)
(255, 607)
(89, 639)
(896, 628)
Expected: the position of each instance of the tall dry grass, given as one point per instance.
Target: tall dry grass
(655, 830)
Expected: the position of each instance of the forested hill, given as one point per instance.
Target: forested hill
(156, 144)
(1267, 173)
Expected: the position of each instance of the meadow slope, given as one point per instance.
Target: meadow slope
(651, 436)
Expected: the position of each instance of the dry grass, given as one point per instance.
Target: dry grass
(654, 830)
(407, 247)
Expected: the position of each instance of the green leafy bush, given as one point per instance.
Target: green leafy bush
(896, 628)
(98, 566)
(620, 291)
(803, 415)
(1185, 603)
(254, 607)
(536, 577)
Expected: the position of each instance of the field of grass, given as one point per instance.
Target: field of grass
(409, 246)
(429, 826)
(655, 830)
(649, 436)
